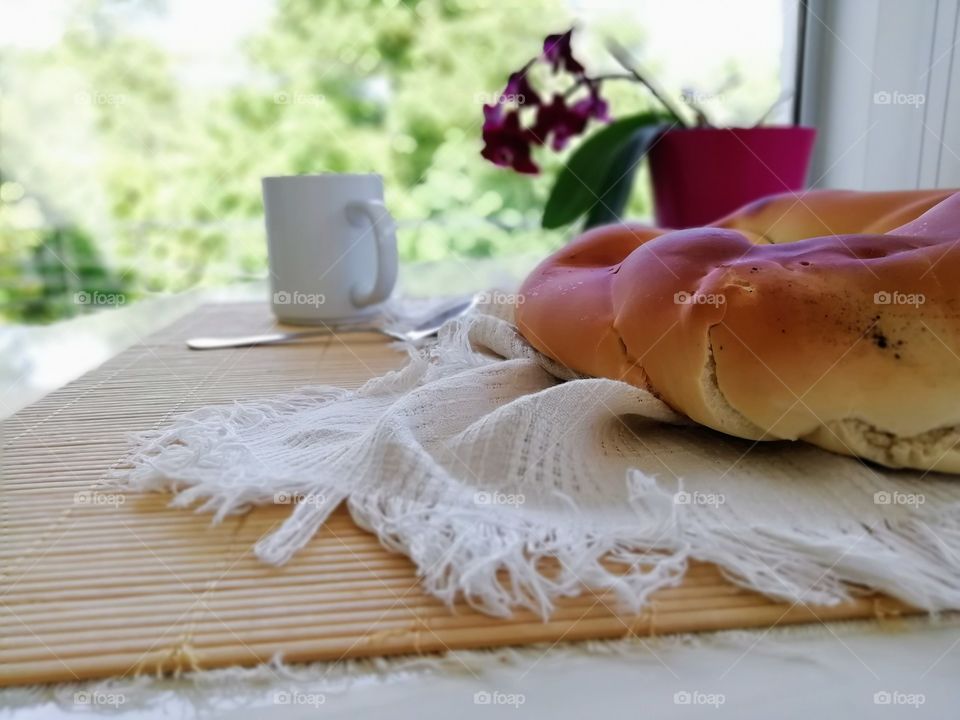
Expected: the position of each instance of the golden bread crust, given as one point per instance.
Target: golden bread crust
(850, 341)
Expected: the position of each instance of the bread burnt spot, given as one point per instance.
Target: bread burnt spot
(881, 340)
(875, 333)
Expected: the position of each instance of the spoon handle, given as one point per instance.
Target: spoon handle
(215, 343)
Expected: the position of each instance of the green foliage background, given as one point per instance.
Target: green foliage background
(120, 176)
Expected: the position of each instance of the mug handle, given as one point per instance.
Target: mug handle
(386, 240)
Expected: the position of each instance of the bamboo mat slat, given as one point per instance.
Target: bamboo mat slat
(92, 590)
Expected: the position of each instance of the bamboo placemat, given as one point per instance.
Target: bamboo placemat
(95, 584)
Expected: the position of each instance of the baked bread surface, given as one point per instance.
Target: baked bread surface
(830, 316)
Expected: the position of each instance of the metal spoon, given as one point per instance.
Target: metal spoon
(420, 330)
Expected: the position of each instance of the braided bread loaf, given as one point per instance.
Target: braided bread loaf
(830, 316)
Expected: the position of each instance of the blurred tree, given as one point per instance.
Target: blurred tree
(105, 140)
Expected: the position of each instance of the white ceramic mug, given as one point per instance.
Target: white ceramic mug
(332, 246)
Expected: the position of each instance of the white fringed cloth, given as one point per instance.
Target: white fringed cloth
(481, 457)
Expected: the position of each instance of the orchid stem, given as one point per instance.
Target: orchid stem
(597, 79)
(621, 55)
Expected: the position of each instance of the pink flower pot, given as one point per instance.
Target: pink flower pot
(701, 174)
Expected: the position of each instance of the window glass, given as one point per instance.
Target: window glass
(133, 133)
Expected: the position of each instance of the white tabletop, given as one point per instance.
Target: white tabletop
(903, 669)
(848, 670)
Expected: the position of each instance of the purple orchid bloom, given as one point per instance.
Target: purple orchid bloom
(520, 90)
(593, 106)
(557, 49)
(557, 119)
(506, 143)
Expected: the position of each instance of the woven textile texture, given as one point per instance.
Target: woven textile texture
(481, 459)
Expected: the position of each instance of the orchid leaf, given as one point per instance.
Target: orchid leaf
(588, 172)
(614, 193)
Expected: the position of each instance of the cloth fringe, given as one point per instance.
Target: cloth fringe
(482, 460)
